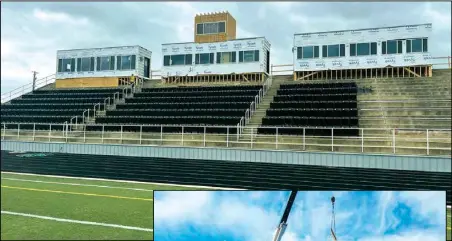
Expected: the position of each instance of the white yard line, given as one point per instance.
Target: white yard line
(78, 221)
(122, 181)
(76, 184)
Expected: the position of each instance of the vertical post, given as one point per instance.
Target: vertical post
(141, 133)
(102, 135)
(393, 141)
(428, 144)
(204, 136)
(34, 130)
(362, 140)
(18, 131)
(50, 132)
(304, 139)
(238, 132)
(161, 135)
(251, 129)
(67, 128)
(182, 135)
(121, 136)
(227, 136)
(332, 139)
(4, 131)
(34, 80)
(84, 134)
(276, 138)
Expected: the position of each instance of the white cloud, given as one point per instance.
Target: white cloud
(179, 207)
(414, 235)
(426, 204)
(32, 32)
(55, 17)
(239, 214)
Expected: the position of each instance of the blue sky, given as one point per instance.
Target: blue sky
(254, 216)
(32, 32)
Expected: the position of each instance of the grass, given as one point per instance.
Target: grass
(449, 224)
(99, 201)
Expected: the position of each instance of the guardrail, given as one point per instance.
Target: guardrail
(437, 63)
(255, 104)
(436, 142)
(25, 89)
(127, 87)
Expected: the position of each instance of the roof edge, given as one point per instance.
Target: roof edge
(362, 29)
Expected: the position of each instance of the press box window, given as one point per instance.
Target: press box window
(85, 64)
(178, 59)
(308, 52)
(66, 65)
(363, 49)
(207, 58)
(391, 47)
(226, 57)
(211, 28)
(126, 62)
(105, 63)
(335, 50)
(248, 56)
(416, 45)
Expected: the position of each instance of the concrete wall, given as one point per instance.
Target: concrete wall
(414, 163)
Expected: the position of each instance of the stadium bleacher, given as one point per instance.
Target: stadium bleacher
(56, 106)
(313, 105)
(193, 107)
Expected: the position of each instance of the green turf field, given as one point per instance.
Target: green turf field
(43, 207)
(449, 224)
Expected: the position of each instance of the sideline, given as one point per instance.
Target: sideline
(78, 193)
(123, 181)
(76, 184)
(78, 221)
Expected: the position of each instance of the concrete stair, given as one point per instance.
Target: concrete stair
(423, 103)
(404, 102)
(256, 118)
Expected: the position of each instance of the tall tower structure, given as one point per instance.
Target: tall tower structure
(214, 27)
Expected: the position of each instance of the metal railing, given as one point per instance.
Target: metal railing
(156, 74)
(27, 88)
(254, 104)
(444, 62)
(126, 88)
(435, 142)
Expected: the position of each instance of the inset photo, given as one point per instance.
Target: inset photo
(300, 215)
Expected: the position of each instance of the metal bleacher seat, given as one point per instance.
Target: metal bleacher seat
(40, 108)
(322, 106)
(193, 107)
(185, 105)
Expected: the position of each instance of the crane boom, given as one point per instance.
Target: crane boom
(283, 223)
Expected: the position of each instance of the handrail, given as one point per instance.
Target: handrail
(125, 92)
(389, 140)
(27, 88)
(255, 104)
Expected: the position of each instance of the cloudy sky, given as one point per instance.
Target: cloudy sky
(254, 216)
(32, 32)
